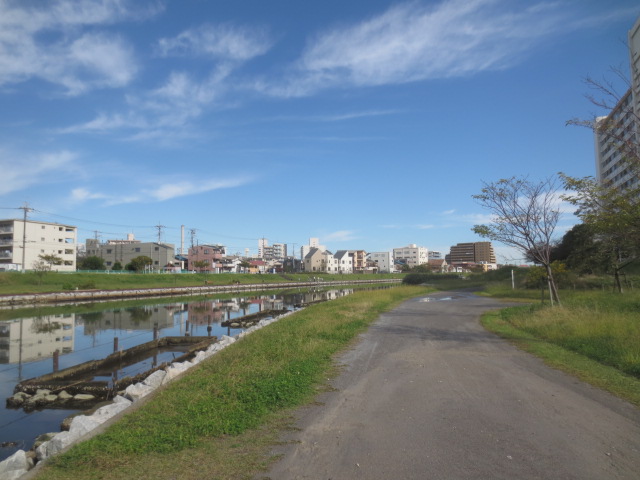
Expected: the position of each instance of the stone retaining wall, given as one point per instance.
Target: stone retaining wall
(77, 296)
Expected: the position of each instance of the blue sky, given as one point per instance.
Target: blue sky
(368, 124)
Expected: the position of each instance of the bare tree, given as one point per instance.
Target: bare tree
(525, 215)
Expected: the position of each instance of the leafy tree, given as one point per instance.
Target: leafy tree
(117, 266)
(614, 217)
(50, 260)
(201, 264)
(525, 215)
(580, 251)
(92, 263)
(138, 264)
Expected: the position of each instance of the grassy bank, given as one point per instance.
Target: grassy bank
(594, 336)
(218, 421)
(30, 282)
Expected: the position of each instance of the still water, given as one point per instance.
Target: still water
(27, 345)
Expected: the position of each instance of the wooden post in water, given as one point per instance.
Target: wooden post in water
(56, 360)
(155, 332)
(115, 344)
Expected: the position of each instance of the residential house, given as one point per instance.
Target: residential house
(211, 254)
(344, 261)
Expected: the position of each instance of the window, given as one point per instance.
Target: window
(137, 249)
(156, 249)
(109, 250)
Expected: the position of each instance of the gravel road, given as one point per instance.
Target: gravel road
(428, 394)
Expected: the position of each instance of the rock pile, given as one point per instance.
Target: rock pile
(47, 398)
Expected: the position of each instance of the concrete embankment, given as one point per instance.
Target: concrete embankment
(77, 296)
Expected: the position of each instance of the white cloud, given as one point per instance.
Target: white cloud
(414, 42)
(217, 41)
(161, 193)
(23, 171)
(71, 56)
(339, 236)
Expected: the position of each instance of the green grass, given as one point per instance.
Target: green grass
(236, 401)
(594, 336)
(30, 282)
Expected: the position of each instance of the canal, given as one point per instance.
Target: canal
(31, 346)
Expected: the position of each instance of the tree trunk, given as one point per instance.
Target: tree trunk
(553, 290)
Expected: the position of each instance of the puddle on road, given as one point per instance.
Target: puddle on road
(433, 299)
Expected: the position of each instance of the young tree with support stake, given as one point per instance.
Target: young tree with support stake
(525, 215)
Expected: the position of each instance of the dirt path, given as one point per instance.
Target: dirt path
(428, 394)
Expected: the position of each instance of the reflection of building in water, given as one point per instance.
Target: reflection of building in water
(32, 338)
(205, 313)
(132, 318)
(319, 296)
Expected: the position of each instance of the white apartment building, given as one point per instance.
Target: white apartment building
(621, 126)
(384, 261)
(22, 243)
(411, 255)
(314, 242)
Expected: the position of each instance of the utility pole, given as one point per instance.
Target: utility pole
(159, 227)
(192, 233)
(25, 210)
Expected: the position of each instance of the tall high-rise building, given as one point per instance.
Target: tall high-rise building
(617, 135)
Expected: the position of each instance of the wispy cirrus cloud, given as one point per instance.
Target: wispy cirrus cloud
(75, 56)
(229, 42)
(412, 42)
(339, 236)
(163, 192)
(169, 110)
(23, 171)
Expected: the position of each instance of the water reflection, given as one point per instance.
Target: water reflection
(34, 346)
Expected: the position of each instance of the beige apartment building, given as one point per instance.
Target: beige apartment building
(472, 252)
(22, 243)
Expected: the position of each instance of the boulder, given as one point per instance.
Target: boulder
(59, 442)
(173, 371)
(121, 399)
(45, 437)
(63, 396)
(105, 413)
(155, 379)
(83, 397)
(15, 466)
(137, 391)
(17, 400)
(82, 424)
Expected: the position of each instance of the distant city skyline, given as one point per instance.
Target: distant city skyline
(368, 125)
